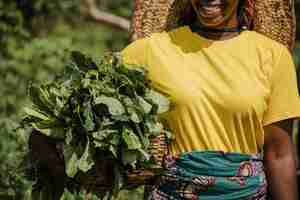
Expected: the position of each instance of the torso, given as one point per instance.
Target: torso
(219, 89)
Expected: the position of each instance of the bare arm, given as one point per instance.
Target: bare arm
(280, 165)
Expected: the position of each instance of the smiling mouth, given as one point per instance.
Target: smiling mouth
(211, 10)
(212, 3)
(212, 6)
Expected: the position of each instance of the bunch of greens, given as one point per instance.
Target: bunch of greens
(99, 107)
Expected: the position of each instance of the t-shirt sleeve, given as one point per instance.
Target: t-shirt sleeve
(136, 53)
(284, 102)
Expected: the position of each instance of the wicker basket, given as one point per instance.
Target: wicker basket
(273, 18)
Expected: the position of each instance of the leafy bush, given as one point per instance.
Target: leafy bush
(12, 149)
(38, 60)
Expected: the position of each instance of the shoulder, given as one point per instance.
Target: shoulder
(266, 45)
(137, 52)
(163, 36)
(143, 43)
(269, 52)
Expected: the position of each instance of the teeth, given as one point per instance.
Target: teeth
(209, 10)
(212, 3)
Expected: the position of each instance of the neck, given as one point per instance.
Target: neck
(218, 35)
(226, 30)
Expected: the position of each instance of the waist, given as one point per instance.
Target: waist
(177, 146)
(227, 139)
(213, 175)
(215, 163)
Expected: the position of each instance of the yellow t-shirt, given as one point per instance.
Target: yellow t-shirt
(222, 92)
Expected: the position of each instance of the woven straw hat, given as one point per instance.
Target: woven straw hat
(273, 18)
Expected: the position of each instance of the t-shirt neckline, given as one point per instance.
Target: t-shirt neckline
(210, 41)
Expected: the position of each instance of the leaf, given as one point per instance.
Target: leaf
(36, 113)
(131, 139)
(146, 141)
(99, 144)
(69, 136)
(122, 118)
(59, 105)
(71, 72)
(83, 62)
(113, 150)
(133, 115)
(138, 74)
(48, 124)
(144, 104)
(128, 101)
(89, 124)
(34, 93)
(71, 165)
(47, 102)
(53, 132)
(101, 138)
(92, 74)
(129, 158)
(160, 100)
(85, 82)
(154, 127)
(115, 107)
(86, 162)
(71, 160)
(115, 140)
(103, 134)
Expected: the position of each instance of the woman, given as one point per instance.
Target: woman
(231, 88)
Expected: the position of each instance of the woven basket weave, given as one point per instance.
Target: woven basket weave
(276, 19)
(273, 18)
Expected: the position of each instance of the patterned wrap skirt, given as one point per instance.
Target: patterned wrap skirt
(210, 175)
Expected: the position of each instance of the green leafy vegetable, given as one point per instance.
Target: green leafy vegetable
(99, 109)
(132, 141)
(86, 162)
(114, 106)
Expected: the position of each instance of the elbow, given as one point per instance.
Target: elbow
(278, 144)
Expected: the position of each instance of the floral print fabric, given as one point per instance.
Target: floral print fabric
(210, 175)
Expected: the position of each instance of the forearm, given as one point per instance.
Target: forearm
(280, 168)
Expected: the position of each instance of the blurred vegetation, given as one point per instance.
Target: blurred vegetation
(36, 37)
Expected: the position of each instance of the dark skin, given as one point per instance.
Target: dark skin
(279, 156)
(228, 19)
(279, 162)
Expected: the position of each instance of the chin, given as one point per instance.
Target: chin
(212, 23)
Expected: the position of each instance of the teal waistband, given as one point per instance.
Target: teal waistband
(217, 163)
(213, 175)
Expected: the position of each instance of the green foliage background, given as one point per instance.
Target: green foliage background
(36, 37)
